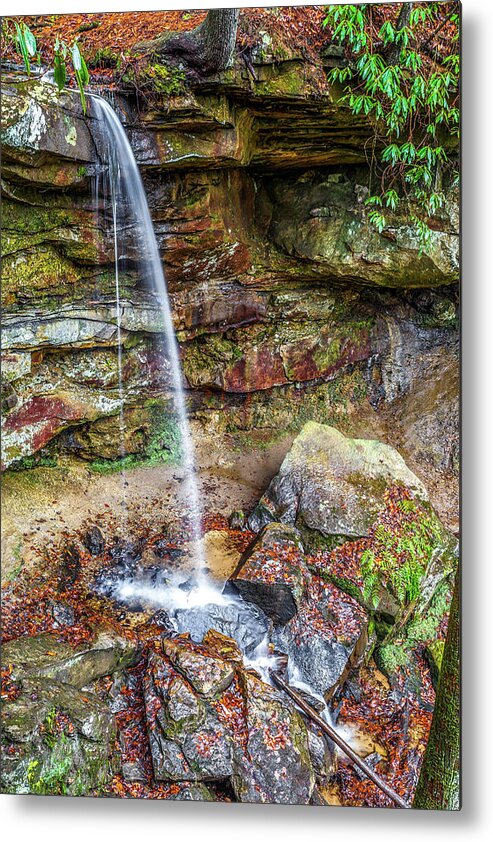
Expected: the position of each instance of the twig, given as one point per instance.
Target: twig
(343, 745)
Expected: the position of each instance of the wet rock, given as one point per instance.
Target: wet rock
(187, 741)
(188, 585)
(162, 620)
(133, 568)
(272, 572)
(325, 640)
(275, 767)
(62, 614)
(322, 753)
(245, 623)
(209, 676)
(333, 485)
(127, 553)
(46, 657)
(93, 541)
(222, 646)
(163, 550)
(57, 741)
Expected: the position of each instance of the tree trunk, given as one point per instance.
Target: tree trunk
(439, 782)
(219, 38)
(402, 21)
(209, 48)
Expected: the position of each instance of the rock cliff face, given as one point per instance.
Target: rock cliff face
(287, 305)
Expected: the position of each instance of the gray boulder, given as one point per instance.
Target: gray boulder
(275, 767)
(325, 640)
(187, 741)
(45, 656)
(333, 485)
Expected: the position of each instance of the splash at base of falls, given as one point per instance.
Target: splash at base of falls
(185, 605)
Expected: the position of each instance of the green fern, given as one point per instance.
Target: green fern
(397, 561)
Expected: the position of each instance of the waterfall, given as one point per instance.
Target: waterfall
(205, 605)
(128, 197)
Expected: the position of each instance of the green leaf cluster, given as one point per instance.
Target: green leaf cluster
(25, 43)
(63, 52)
(410, 91)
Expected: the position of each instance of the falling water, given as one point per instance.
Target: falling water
(127, 192)
(204, 605)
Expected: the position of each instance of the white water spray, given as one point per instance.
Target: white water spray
(127, 187)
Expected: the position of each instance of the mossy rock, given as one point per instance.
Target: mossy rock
(57, 740)
(334, 485)
(46, 657)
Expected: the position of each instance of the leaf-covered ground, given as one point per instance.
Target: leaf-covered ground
(298, 28)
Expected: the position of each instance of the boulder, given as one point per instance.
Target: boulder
(243, 622)
(46, 657)
(333, 485)
(187, 741)
(275, 767)
(208, 675)
(325, 640)
(57, 740)
(272, 572)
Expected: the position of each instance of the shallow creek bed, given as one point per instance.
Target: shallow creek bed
(179, 690)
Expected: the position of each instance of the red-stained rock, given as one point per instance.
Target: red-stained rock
(43, 409)
(262, 369)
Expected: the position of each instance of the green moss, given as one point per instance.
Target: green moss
(104, 57)
(16, 559)
(51, 776)
(289, 81)
(157, 79)
(208, 353)
(37, 460)
(163, 447)
(423, 629)
(314, 540)
(340, 582)
(434, 655)
(391, 657)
